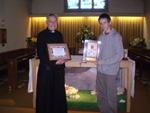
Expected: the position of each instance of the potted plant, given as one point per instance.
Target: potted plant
(138, 43)
(84, 34)
(31, 42)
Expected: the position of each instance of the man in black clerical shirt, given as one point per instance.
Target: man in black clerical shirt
(51, 97)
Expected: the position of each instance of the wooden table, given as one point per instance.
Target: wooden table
(77, 63)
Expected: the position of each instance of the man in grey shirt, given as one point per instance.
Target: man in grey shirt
(111, 53)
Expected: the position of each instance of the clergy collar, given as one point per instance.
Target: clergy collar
(52, 31)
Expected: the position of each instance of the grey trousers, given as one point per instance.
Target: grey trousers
(106, 86)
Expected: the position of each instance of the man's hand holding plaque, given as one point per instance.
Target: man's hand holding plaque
(61, 61)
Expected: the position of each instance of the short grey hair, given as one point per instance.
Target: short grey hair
(52, 15)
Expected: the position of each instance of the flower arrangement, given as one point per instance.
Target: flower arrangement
(31, 42)
(84, 34)
(138, 43)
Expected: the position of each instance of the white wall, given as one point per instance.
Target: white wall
(16, 15)
(0, 6)
(47, 6)
(116, 7)
(132, 7)
(1, 11)
(147, 24)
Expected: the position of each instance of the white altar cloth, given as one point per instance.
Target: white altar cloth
(133, 77)
(30, 83)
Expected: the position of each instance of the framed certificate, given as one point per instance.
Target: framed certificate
(91, 50)
(58, 51)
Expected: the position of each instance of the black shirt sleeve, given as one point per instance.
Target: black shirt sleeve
(42, 52)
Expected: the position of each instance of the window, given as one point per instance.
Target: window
(86, 5)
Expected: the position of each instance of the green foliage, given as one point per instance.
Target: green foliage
(31, 42)
(84, 34)
(138, 43)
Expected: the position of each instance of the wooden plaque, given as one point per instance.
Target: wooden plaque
(58, 51)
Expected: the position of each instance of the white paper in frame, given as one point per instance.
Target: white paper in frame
(91, 50)
(58, 51)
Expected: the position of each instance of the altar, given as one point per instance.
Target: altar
(76, 62)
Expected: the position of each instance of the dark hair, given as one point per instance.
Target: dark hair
(104, 15)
